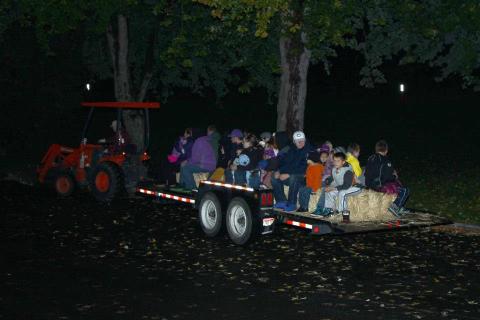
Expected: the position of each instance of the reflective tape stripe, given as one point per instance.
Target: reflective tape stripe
(299, 224)
(166, 195)
(227, 185)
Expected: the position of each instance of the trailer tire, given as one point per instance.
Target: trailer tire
(210, 215)
(242, 227)
(106, 182)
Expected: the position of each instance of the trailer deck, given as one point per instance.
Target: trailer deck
(260, 205)
(322, 225)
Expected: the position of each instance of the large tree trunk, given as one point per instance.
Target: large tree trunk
(118, 45)
(295, 59)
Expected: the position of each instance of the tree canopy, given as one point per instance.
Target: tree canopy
(222, 44)
(441, 33)
(190, 48)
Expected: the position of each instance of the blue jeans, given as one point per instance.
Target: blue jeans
(241, 177)
(253, 179)
(186, 175)
(402, 197)
(304, 197)
(321, 200)
(294, 182)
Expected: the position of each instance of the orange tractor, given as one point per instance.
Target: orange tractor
(107, 168)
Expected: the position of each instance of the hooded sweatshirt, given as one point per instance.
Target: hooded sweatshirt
(249, 158)
(215, 142)
(355, 164)
(342, 177)
(378, 171)
(327, 172)
(314, 176)
(203, 155)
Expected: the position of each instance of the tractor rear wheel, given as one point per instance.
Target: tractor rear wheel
(106, 182)
(63, 183)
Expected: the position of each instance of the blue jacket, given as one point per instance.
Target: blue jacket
(294, 161)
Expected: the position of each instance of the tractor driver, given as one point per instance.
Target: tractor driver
(118, 140)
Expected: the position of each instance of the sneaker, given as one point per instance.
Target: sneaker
(324, 212)
(301, 209)
(290, 207)
(280, 205)
(330, 212)
(395, 210)
(318, 211)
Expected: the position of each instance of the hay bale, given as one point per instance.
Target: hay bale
(200, 176)
(312, 205)
(218, 175)
(369, 205)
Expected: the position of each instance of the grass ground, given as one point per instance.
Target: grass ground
(453, 195)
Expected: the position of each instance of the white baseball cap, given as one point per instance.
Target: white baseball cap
(298, 135)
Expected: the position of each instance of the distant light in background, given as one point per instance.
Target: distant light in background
(402, 88)
(87, 86)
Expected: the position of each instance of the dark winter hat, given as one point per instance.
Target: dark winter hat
(324, 148)
(314, 156)
(236, 133)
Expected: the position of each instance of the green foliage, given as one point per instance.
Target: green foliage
(219, 44)
(190, 48)
(441, 33)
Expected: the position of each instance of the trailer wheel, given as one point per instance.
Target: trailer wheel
(63, 183)
(106, 182)
(241, 225)
(210, 215)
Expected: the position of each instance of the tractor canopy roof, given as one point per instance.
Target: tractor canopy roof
(123, 105)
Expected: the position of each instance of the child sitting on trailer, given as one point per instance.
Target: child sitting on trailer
(352, 159)
(316, 164)
(243, 170)
(380, 175)
(270, 152)
(339, 186)
(326, 147)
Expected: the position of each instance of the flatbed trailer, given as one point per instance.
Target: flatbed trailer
(246, 213)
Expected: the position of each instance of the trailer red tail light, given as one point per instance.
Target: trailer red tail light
(266, 200)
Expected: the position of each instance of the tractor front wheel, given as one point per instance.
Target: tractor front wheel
(106, 182)
(63, 183)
